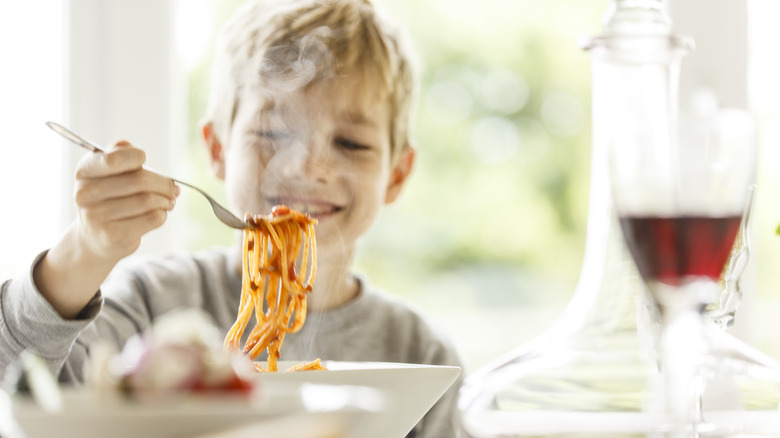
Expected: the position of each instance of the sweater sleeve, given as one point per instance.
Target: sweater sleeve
(140, 290)
(29, 322)
(136, 292)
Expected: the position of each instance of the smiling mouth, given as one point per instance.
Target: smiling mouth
(316, 209)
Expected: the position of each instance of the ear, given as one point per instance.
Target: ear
(215, 150)
(400, 173)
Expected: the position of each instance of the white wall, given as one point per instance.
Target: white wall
(109, 70)
(123, 82)
(720, 59)
(31, 53)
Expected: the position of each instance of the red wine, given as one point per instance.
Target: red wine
(669, 249)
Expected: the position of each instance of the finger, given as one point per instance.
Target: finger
(128, 207)
(142, 224)
(97, 190)
(122, 237)
(121, 158)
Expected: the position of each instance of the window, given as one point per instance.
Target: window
(762, 298)
(31, 169)
(490, 231)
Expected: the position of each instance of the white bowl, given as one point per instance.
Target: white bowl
(352, 399)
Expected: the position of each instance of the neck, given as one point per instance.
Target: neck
(334, 284)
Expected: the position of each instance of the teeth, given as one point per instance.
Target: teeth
(309, 209)
(300, 207)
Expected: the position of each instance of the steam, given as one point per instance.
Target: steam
(292, 66)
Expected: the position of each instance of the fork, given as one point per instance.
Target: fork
(220, 212)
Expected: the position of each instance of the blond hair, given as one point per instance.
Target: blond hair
(296, 43)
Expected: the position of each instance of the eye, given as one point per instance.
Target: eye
(350, 145)
(274, 135)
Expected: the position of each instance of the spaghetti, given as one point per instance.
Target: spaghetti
(272, 246)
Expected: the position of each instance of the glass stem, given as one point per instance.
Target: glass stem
(682, 353)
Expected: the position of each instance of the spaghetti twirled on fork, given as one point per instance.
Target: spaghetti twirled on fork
(272, 247)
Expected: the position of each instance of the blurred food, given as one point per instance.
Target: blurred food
(182, 352)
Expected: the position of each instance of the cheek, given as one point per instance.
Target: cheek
(371, 187)
(241, 182)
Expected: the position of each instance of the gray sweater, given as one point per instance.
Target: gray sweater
(375, 326)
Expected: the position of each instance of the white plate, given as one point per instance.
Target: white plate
(380, 400)
(409, 390)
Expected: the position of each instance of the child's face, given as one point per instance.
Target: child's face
(324, 151)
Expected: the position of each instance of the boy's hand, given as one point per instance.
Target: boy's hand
(118, 201)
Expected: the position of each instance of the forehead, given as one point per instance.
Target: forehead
(347, 99)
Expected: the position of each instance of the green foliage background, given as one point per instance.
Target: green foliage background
(494, 213)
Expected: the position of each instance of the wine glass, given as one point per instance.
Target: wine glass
(679, 194)
(721, 312)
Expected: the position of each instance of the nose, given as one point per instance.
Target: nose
(307, 158)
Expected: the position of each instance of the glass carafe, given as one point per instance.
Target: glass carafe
(595, 371)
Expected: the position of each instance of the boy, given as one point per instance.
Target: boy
(311, 105)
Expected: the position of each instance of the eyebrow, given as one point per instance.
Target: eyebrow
(358, 118)
(353, 117)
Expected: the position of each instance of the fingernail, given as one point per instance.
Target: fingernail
(178, 189)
